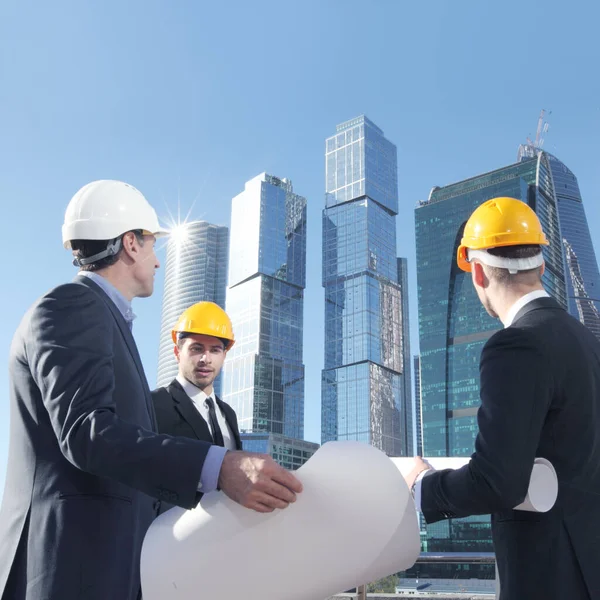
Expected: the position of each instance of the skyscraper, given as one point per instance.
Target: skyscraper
(453, 326)
(407, 412)
(263, 377)
(417, 404)
(195, 271)
(581, 267)
(362, 382)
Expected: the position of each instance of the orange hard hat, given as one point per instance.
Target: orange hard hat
(205, 318)
(499, 222)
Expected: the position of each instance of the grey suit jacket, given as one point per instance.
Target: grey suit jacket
(85, 468)
(540, 396)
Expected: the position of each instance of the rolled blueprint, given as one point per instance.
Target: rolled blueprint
(543, 485)
(353, 523)
(543, 488)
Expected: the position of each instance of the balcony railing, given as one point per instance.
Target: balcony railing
(447, 558)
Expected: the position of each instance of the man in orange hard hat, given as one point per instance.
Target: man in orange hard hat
(540, 396)
(188, 406)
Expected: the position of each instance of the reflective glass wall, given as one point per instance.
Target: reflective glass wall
(363, 388)
(264, 373)
(581, 266)
(195, 271)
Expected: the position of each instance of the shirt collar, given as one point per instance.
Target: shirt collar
(114, 294)
(194, 392)
(520, 303)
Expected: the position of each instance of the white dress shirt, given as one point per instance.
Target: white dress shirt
(520, 303)
(507, 322)
(198, 397)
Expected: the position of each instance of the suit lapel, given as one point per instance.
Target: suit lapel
(231, 422)
(185, 407)
(129, 341)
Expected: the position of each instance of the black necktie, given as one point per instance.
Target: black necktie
(214, 424)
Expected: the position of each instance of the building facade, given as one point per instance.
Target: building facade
(408, 423)
(290, 453)
(417, 405)
(362, 380)
(581, 267)
(453, 325)
(263, 377)
(195, 271)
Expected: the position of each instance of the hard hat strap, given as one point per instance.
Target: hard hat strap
(112, 249)
(514, 265)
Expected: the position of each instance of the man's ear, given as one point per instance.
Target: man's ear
(131, 246)
(176, 352)
(479, 277)
(543, 268)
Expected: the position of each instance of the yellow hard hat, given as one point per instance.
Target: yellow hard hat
(499, 222)
(205, 318)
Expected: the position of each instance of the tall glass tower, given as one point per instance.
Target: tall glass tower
(195, 271)
(263, 377)
(417, 405)
(453, 326)
(408, 413)
(362, 382)
(581, 266)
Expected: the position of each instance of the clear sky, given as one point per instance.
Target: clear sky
(187, 100)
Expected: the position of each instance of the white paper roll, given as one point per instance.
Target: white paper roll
(543, 485)
(543, 488)
(353, 523)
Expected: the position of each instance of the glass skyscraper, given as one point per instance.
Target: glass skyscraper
(417, 404)
(362, 382)
(195, 271)
(453, 325)
(408, 414)
(263, 377)
(581, 266)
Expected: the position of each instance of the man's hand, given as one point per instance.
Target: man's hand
(256, 481)
(420, 465)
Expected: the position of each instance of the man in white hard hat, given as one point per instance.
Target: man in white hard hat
(86, 471)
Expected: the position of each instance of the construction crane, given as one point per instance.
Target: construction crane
(532, 148)
(542, 129)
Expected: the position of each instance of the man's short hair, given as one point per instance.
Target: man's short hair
(524, 251)
(181, 335)
(85, 248)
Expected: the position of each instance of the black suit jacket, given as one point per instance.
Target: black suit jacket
(177, 415)
(84, 464)
(540, 396)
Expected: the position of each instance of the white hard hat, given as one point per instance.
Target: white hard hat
(105, 210)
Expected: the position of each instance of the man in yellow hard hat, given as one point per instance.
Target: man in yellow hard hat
(188, 406)
(540, 396)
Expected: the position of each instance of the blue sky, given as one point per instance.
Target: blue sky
(188, 100)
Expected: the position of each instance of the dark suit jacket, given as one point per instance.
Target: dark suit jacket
(540, 396)
(84, 464)
(177, 415)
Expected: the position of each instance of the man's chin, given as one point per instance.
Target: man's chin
(202, 382)
(146, 293)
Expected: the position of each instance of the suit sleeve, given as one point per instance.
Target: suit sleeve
(516, 389)
(161, 399)
(69, 350)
